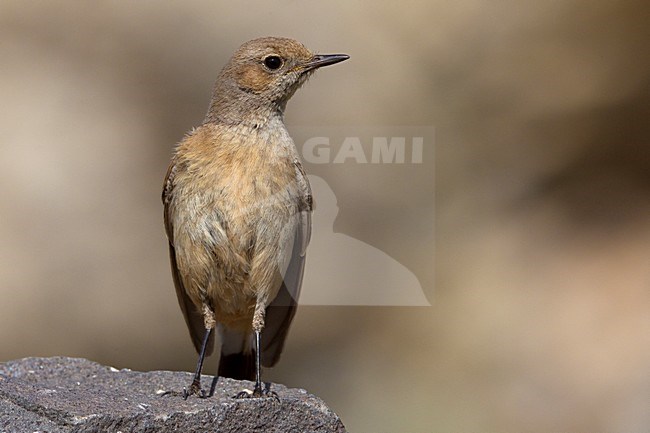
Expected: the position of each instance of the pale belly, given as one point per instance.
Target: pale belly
(232, 245)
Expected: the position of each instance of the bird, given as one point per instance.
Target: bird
(237, 212)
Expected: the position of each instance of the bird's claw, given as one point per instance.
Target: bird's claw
(258, 392)
(195, 389)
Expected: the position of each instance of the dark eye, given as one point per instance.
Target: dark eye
(273, 62)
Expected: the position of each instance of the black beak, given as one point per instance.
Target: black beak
(325, 59)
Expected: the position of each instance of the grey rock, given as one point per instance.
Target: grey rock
(60, 395)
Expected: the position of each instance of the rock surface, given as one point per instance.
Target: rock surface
(60, 395)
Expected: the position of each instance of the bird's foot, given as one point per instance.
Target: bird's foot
(194, 389)
(258, 392)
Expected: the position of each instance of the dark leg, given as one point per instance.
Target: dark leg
(257, 392)
(195, 388)
(258, 325)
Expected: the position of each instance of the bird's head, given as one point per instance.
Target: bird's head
(263, 74)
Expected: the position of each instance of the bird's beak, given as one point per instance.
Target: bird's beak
(324, 59)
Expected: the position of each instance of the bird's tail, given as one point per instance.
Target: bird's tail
(239, 366)
(237, 355)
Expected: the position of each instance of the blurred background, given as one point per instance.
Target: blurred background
(528, 227)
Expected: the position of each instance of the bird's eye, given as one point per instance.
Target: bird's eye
(273, 62)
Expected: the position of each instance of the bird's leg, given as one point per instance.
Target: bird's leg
(258, 325)
(210, 323)
(257, 391)
(195, 387)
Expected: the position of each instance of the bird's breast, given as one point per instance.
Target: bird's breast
(236, 206)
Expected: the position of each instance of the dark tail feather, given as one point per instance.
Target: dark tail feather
(239, 366)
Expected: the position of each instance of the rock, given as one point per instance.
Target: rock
(60, 395)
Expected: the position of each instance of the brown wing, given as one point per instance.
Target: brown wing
(193, 317)
(282, 309)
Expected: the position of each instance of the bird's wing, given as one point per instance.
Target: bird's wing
(282, 309)
(193, 317)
